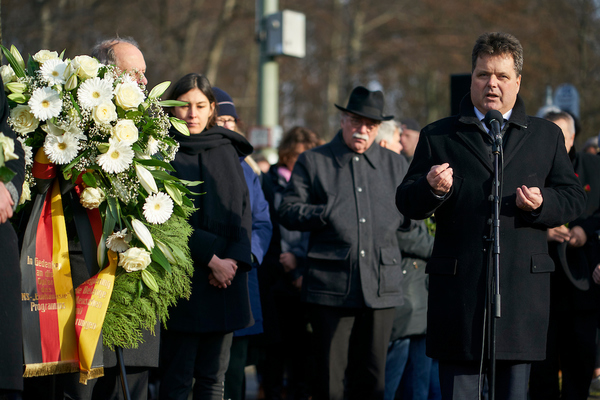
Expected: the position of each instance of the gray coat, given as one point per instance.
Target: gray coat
(346, 201)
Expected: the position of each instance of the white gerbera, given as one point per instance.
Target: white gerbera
(119, 241)
(94, 92)
(53, 71)
(45, 103)
(158, 208)
(61, 149)
(118, 157)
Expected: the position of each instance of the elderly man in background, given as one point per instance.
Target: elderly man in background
(125, 54)
(342, 193)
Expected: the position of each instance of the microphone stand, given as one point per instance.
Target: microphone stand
(495, 299)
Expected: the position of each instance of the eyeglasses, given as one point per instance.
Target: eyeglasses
(357, 123)
(222, 121)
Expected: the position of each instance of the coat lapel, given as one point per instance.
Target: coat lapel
(475, 140)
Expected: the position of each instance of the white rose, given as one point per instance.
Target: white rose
(104, 113)
(91, 197)
(86, 66)
(128, 95)
(125, 131)
(23, 120)
(134, 259)
(8, 148)
(7, 74)
(44, 55)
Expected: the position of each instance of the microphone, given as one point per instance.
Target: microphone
(492, 121)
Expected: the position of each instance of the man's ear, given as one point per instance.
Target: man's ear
(383, 143)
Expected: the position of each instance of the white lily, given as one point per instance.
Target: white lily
(166, 251)
(146, 179)
(142, 233)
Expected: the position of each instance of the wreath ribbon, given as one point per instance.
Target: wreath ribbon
(61, 330)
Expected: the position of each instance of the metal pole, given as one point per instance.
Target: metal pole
(268, 73)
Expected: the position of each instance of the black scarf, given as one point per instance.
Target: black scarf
(213, 157)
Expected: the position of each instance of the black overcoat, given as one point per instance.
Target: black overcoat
(346, 201)
(209, 308)
(535, 156)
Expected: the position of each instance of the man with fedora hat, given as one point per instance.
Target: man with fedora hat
(343, 194)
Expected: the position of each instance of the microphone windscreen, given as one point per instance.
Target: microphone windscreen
(493, 115)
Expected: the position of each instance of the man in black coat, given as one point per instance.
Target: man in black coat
(571, 344)
(452, 175)
(342, 192)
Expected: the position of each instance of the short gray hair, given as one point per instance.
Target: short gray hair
(104, 51)
(386, 131)
(556, 116)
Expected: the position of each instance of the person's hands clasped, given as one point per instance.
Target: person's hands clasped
(529, 199)
(288, 260)
(6, 204)
(440, 178)
(222, 271)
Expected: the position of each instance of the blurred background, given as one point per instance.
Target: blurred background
(407, 48)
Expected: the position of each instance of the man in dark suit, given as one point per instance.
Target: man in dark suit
(452, 175)
(342, 192)
(571, 345)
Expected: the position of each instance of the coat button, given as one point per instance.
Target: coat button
(362, 253)
(359, 189)
(362, 220)
(356, 158)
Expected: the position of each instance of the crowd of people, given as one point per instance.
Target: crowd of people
(363, 268)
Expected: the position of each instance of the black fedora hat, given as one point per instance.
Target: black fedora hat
(367, 104)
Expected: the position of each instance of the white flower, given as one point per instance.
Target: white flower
(94, 92)
(142, 233)
(53, 72)
(45, 103)
(61, 149)
(8, 147)
(25, 194)
(119, 241)
(118, 157)
(125, 131)
(128, 95)
(44, 55)
(86, 66)
(158, 208)
(104, 113)
(7, 74)
(28, 151)
(134, 259)
(152, 146)
(146, 179)
(91, 197)
(23, 120)
(166, 251)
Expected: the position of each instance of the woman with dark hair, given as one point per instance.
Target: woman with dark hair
(198, 339)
